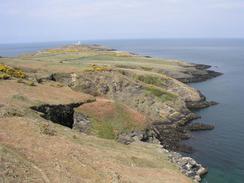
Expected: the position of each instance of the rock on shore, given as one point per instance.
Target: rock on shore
(200, 126)
(188, 166)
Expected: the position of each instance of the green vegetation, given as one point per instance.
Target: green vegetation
(148, 79)
(103, 129)
(20, 97)
(126, 66)
(97, 68)
(62, 51)
(4, 76)
(27, 82)
(111, 125)
(146, 68)
(11, 72)
(160, 93)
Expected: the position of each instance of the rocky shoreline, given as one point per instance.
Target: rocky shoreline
(153, 105)
(199, 77)
(187, 166)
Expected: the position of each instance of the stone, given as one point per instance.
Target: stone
(200, 126)
(125, 139)
(202, 171)
(197, 178)
(189, 166)
(81, 122)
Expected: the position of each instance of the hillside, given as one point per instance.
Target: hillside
(62, 111)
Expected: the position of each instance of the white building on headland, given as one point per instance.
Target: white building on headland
(78, 43)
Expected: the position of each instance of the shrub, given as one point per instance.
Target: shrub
(27, 82)
(11, 72)
(160, 93)
(97, 68)
(152, 80)
(4, 76)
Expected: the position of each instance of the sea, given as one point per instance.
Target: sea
(221, 149)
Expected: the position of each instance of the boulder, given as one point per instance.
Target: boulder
(202, 171)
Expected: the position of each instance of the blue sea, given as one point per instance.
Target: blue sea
(221, 149)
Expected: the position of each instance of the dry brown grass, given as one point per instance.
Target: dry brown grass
(32, 156)
(33, 151)
(42, 93)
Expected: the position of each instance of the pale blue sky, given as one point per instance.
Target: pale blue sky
(57, 20)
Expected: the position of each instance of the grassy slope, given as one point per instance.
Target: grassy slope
(111, 118)
(67, 61)
(28, 155)
(32, 151)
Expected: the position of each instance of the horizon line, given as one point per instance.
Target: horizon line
(121, 39)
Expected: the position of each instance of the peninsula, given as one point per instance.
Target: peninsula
(88, 113)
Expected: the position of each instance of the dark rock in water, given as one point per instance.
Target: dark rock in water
(198, 76)
(200, 126)
(202, 66)
(200, 104)
(170, 135)
(185, 149)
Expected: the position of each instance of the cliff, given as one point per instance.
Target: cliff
(58, 107)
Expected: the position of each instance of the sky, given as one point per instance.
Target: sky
(59, 20)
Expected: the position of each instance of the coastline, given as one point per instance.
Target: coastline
(186, 164)
(178, 126)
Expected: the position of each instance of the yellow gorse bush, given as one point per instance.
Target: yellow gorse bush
(11, 72)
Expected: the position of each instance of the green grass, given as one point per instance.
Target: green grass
(20, 97)
(161, 94)
(110, 126)
(103, 129)
(152, 80)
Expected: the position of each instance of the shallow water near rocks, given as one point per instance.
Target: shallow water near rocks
(222, 148)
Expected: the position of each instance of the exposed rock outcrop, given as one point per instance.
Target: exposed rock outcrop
(188, 166)
(81, 122)
(197, 76)
(200, 127)
(200, 104)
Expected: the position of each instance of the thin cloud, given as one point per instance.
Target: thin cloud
(120, 18)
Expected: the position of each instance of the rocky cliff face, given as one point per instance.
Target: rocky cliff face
(158, 103)
(163, 100)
